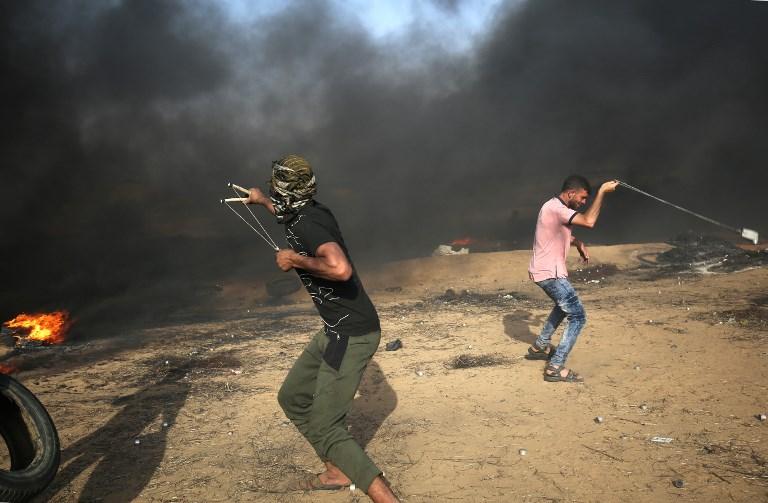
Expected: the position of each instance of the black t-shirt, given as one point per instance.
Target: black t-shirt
(344, 306)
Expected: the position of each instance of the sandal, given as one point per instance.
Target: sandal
(311, 483)
(552, 374)
(540, 354)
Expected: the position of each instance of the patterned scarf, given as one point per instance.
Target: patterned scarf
(291, 187)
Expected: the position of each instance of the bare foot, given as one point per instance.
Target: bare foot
(333, 476)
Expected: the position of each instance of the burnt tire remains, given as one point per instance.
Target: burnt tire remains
(31, 439)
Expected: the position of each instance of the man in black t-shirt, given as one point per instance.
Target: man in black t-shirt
(319, 389)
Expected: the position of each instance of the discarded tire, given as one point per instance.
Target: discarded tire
(31, 441)
(283, 286)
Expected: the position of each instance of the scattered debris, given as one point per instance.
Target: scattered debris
(394, 345)
(469, 361)
(753, 317)
(594, 274)
(466, 297)
(445, 250)
(661, 440)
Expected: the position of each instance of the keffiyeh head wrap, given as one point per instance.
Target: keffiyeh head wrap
(292, 186)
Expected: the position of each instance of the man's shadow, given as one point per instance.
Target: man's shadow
(122, 467)
(375, 402)
(517, 325)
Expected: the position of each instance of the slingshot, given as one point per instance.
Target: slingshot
(263, 234)
(745, 233)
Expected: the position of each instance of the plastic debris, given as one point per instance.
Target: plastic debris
(761, 417)
(523, 452)
(394, 345)
(661, 440)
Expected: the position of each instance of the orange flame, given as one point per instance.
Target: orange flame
(462, 241)
(48, 328)
(7, 369)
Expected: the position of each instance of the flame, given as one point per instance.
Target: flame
(48, 328)
(462, 241)
(7, 369)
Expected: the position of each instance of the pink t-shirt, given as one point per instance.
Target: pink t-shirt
(552, 241)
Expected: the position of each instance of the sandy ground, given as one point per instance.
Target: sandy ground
(675, 356)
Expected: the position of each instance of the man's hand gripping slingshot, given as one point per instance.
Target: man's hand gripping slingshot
(263, 234)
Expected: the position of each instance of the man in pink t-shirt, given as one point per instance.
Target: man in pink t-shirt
(547, 268)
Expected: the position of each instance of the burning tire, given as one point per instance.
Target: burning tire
(31, 440)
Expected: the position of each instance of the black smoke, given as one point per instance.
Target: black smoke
(124, 120)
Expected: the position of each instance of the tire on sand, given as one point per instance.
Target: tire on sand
(31, 440)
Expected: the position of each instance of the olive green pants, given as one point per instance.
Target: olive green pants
(316, 398)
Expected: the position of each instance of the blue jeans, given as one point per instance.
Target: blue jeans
(567, 305)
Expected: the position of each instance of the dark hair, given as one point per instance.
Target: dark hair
(576, 182)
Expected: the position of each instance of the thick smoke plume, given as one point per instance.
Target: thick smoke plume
(125, 119)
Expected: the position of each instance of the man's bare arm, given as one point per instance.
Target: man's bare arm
(589, 218)
(329, 262)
